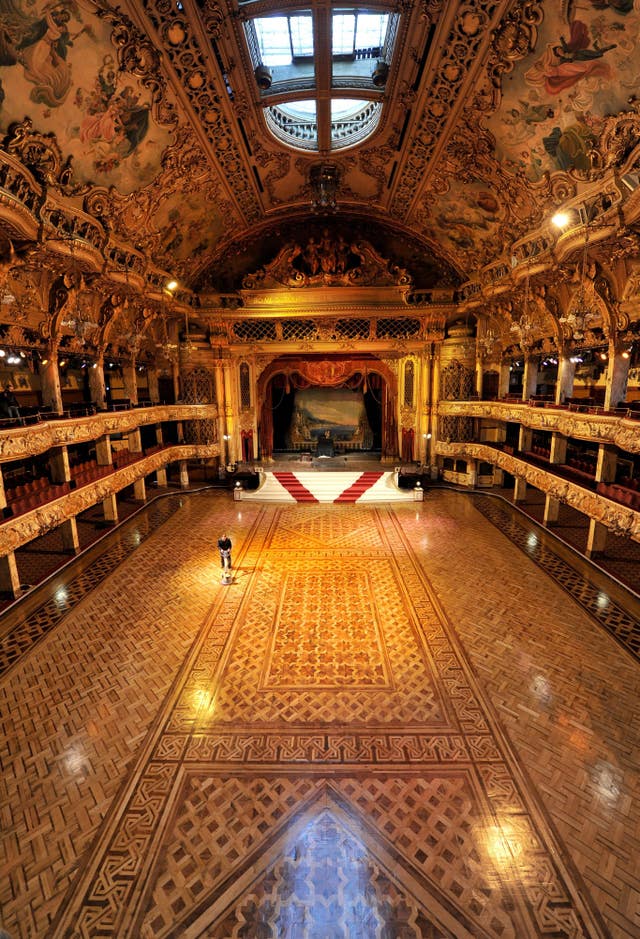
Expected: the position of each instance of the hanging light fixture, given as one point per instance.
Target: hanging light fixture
(583, 312)
(325, 180)
(524, 325)
(78, 306)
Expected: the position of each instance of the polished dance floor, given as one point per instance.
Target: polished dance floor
(394, 723)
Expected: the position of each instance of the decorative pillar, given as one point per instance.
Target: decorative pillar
(222, 409)
(566, 375)
(50, 380)
(607, 464)
(70, 539)
(596, 539)
(551, 510)
(530, 377)
(97, 386)
(617, 376)
(520, 490)
(161, 476)
(129, 377)
(558, 452)
(9, 576)
(525, 439)
(110, 509)
(104, 455)
(503, 382)
(184, 475)
(154, 385)
(140, 490)
(134, 441)
(59, 466)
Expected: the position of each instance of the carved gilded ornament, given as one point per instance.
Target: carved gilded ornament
(18, 531)
(617, 518)
(623, 433)
(327, 262)
(189, 56)
(459, 50)
(21, 442)
(407, 417)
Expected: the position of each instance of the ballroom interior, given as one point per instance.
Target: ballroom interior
(359, 286)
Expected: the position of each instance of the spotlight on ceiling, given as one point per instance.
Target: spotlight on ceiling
(560, 219)
(380, 74)
(263, 77)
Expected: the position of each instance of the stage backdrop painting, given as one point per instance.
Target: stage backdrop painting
(337, 411)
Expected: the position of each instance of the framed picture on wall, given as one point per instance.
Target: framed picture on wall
(21, 382)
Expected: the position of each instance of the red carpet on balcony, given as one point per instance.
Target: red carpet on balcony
(355, 490)
(293, 486)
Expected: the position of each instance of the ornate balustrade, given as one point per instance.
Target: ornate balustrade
(606, 428)
(15, 532)
(618, 518)
(19, 442)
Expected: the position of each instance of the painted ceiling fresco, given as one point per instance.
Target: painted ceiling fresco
(187, 173)
(584, 67)
(58, 66)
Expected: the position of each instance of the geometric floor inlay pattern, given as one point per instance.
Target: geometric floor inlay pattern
(326, 633)
(346, 741)
(618, 622)
(30, 630)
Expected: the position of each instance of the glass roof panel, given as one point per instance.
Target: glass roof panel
(344, 31)
(304, 109)
(302, 35)
(273, 40)
(370, 31)
(342, 108)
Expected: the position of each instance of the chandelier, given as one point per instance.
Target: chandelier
(524, 326)
(487, 342)
(324, 179)
(583, 313)
(78, 306)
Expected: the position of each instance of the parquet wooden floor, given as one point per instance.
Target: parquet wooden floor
(391, 724)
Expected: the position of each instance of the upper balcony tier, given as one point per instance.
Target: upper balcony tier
(619, 428)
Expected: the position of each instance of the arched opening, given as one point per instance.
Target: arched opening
(348, 403)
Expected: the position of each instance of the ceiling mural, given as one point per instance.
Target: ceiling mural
(58, 66)
(495, 112)
(466, 220)
(583, 68)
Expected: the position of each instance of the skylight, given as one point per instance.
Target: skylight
(312, 59)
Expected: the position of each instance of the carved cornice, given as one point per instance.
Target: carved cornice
(617, 518)
(20, 442)
(600, 428)
(24, 528)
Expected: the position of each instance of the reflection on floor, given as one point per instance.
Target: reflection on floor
(392, 723)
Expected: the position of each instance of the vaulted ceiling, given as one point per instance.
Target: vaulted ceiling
(493, 113)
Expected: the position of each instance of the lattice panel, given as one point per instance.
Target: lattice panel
(353, 329)
(400, 328)
(255, 331)
(298, 330)
(457, 382)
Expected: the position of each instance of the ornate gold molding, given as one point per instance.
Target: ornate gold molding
(599, 428)
(24, 528)
(23, 442)
(618, 518)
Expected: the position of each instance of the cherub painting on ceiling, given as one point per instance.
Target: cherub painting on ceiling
(583, 69)
(115, 120)
(58, 66)
(467, 217)
(38, 42)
